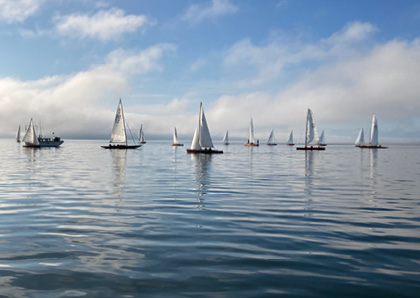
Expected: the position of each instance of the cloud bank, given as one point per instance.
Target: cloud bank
(17, 11)
(199, 12)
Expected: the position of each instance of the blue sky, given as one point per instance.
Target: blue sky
(67, 62)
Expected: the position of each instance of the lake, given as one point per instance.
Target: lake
(268, 221)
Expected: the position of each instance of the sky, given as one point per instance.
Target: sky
(66, 63)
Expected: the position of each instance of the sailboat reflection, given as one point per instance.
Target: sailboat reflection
(119, 161)
(309, 177)
(202, 168)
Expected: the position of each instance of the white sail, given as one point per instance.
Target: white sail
(141, 135)
(118, 131)
(312, 137)
(226, 138)
(373, 137)
(204, 133)
(290, 139)
(175, 136)
(18, 135)
(195, 145)
(251, 138)
(322, 138)
(360, 138)
(30, 137)
(271, 138)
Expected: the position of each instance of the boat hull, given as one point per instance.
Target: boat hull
(204, 151)
(251, 145)
(290, 144)
(271, 144)
(50, 144)
(177, 145)
(311, 148)
(371, 147)
(121, 147)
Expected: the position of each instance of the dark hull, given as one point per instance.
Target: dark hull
(271, 144)
(210, 151)
(310, 148)
(371, 147)
(121, 147)
(177, 145)
(50, 144)
(290, 144)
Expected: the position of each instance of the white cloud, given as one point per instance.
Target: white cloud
(343, 94)
(104, 25)
(18, 10)
(199, 12)
(263, 64)
(75, 104)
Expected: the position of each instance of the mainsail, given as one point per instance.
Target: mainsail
(226, 138)
(175, 136)
(205, 138)
(18, 135)
(118, 131)
(251, 132)
(290, 139)
(360, 138)
(30, 137)
(312, 137)
(271, 138)
(373, 137)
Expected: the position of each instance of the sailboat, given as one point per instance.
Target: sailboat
(141, 135)
(176, 141)
(251, 138)
(118, 138)
(290, 139)
(226, 138)
(360, 139)
(34, 141)
(373, 136)
(271, 140)
(18, 135)
(30, 138)
(322, 139)
(311, 134)
(202, 142)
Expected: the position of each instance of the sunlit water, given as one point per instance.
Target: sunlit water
(253, 222)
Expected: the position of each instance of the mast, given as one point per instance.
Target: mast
(307, 124)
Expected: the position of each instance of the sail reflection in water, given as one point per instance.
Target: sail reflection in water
(202, 168)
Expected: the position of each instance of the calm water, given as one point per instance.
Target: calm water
(81, 221)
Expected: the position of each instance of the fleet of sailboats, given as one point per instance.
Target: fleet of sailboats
(175, 139)
(202, 142)
(118, 138)
(311, 134)
(373, 137)
(271, 139)
(251, 139)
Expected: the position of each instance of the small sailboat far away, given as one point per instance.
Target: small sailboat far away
(290, 140)
(311, 134)
(30, 137)
(360, 139)
(251, 139)
(141, 135)
(271, 140)
(226, 138)
(118, 138)
(176, 141)
(202, 142)
(322, 139)
(18, 135)
(373, 136)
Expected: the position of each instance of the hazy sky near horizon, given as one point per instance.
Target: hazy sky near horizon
(65, 63)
